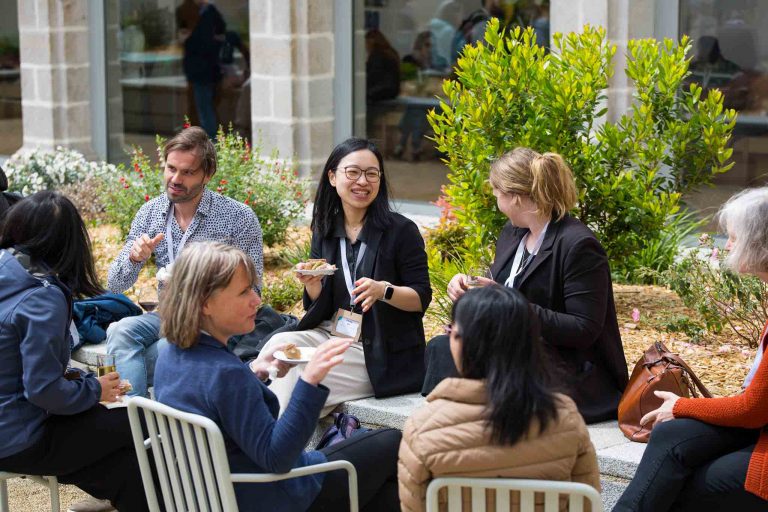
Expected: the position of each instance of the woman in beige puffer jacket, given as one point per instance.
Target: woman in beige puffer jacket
(488, 423)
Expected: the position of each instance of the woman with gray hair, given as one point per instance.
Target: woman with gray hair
(714, 455)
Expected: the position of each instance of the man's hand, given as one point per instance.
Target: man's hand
(143, 247)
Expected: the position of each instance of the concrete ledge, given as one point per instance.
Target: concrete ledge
(617, 456)
(86, 355)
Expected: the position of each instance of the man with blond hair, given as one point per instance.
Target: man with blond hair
(186, 212)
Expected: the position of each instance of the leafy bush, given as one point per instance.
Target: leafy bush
(37, 170)
(268, 185)
(630, 174)
(722, 297)
(283, 293)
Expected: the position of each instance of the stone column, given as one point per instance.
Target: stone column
(623, 20)
(292, 72)
(53, 40)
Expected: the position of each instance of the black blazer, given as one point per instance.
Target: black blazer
(393, 340)
(569, 285)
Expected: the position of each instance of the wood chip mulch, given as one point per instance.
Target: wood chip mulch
(721, 361)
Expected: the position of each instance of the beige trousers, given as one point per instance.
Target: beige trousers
(347, 381)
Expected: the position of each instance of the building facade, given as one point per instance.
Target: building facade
(302, 75)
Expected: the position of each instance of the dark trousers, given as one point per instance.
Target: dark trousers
(374, 455)
(438, 362)
(92, 450)
(693, 466)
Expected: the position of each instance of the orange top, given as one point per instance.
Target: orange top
(747, 410)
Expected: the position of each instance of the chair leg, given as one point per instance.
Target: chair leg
(3, 496)
(53, 487)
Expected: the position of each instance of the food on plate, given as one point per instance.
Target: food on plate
(317, 264)
(291, 351)
(125, 386)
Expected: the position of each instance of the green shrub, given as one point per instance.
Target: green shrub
(630, 174)
(720, 296)
(267, 184)
(282, 293)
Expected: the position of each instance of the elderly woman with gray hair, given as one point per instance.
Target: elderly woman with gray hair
(714, 455)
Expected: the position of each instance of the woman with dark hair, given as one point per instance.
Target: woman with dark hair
(50, 419)
(561, 268)
(500, 417)
(379, 291)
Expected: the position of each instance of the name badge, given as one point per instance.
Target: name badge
(347, 324)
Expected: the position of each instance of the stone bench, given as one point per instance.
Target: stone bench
(85, 356)
(618, 457)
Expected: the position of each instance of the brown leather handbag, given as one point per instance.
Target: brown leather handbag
(657, 370)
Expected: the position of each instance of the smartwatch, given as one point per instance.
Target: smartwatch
(389, 290)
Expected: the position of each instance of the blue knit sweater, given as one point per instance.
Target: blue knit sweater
(209, 380)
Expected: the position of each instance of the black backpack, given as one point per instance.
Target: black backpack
(7, 199)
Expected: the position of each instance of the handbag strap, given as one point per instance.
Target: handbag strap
(678, 360)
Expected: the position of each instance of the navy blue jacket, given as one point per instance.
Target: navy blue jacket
(209, 380)
(93, 315)
(35, 313)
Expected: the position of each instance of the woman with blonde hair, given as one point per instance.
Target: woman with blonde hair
(713, 455)
(211, 297)
(556, 262)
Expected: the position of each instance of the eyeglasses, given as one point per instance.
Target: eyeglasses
(353, 173)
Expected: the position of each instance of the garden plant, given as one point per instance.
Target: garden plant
(630, 173)
(721, 297)
(267, 184)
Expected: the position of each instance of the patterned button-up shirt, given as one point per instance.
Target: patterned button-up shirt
(217, 218)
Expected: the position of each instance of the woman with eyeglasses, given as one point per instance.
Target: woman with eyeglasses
(501, 416)
(561, 268)
(379, 290)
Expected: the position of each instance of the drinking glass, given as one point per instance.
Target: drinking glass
(474, 275)
(147, 298)
(105, 363)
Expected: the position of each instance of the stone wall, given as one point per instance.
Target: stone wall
(292, 70)
(55, 63)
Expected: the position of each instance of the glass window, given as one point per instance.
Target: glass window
(405, 49)
(730, 52)
(10, 79)
(171, 59)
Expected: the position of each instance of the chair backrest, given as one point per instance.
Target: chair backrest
(552, 490)
(189, 456)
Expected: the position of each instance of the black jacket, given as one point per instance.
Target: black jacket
(393, 340)
(569, 284)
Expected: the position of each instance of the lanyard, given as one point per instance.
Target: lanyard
(169, 235)
(348, 278)
(518, 264)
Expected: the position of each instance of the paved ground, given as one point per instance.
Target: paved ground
(26, 496)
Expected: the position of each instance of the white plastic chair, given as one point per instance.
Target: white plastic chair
(552, 490)
(51, 482)
(192, 464)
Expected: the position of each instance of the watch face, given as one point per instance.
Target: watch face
(388, 292)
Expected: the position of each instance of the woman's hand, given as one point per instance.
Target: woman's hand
(368, 292)
(266, 361)
(313, 284)
(663, 413)
(110, 387)
(457, 286)
(327, 355)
